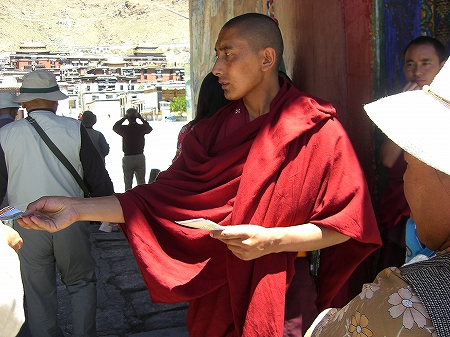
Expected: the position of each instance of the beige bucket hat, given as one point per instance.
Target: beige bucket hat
(39, 84)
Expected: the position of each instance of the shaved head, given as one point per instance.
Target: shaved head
(260, 31)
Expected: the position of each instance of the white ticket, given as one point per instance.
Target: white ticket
(201, 224)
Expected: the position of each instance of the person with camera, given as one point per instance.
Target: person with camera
(133, 142)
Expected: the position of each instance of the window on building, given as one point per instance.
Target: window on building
(72, 104)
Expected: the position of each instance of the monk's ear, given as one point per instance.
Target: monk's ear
(269, 59)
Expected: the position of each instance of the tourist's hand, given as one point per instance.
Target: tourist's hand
(51, 214)
(247, 242)
(11, 237)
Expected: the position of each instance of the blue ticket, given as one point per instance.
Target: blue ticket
(10, 213)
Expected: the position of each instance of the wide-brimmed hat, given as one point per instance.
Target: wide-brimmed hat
(419, 121)
(7, 100)
(39, 84)
(88, 119)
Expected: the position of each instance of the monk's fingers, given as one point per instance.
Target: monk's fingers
(240, 232)
(35, 206)
(26, 223)
(247, 245)
(37, 223)
(245, 252)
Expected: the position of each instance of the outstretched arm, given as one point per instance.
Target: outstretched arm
(53, 214)
(250, 241)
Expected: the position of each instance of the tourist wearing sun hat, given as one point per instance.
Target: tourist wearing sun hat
(8, 107)
(40, 84)
(28, 170)
(413, 300)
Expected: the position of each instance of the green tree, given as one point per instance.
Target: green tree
(178, 104)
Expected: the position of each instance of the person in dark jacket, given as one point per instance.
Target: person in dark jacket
(89, 119)
(133, 142)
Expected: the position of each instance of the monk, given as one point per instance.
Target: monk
(274, 168)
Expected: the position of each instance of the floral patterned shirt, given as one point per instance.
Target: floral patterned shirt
(386, 307)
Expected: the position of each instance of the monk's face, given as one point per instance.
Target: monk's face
(427, 191)
(238, 65)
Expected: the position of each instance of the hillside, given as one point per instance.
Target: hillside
(61, 25)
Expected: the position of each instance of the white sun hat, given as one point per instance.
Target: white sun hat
(419, 121)
(39, 84)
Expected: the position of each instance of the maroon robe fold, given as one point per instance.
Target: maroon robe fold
(291, 166)
(393, 204)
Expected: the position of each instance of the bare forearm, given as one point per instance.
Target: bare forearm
(249, 242)
(306, 237)
(106, 209)
(53, 214)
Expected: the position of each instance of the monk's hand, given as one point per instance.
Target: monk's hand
(247, 242)
(50, 214)
(11, 237)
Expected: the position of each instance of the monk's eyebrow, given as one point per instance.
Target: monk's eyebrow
(223, 48)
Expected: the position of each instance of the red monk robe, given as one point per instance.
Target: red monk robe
(291, 166)
(393, 204)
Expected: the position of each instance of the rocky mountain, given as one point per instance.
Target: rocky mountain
(62, 25)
